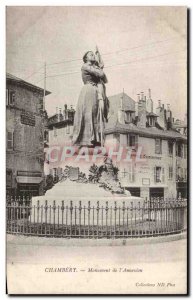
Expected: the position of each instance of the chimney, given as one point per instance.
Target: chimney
(141, 95)
(161, 112)
(136, 109)
(60, 114)
(65, 112)
(149, 102)
(141, 114)
(149, 93)
(121, 112)
(121, 116)
(169, 117)
(57, 115)
(138, 97)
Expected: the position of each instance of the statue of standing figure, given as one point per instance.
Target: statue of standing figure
(93, 104)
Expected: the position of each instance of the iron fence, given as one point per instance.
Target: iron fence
(154, 217)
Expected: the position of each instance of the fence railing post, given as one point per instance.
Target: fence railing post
(80, 210)
(71, 209)
(98, 208)
(106, 209)
(115, 226)
(88, 218)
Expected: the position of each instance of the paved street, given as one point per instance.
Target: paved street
(31, 267)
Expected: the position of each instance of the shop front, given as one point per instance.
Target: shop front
(29, 183)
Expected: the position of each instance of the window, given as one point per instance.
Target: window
(132, 140)
(170, 148)
(9, 140)
(151, 121)
(158, 146)
(179, 150)
(178, 173)
(131, 173)
(124, 173)
(116, 137)
(170, 177)
(163, 175)
(182, 154)
(159, 174)
(128, 117)
(10, 97)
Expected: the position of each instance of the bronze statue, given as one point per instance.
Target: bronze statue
(92, 107)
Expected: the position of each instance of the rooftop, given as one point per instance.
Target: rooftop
(128, 104)
(147, 132)
(18, 80)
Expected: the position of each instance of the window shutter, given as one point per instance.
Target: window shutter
(156, 146)
(154, 174)
(163, 175)
(182, 151)
(170, 172)
(9, 140)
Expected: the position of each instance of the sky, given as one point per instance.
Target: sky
(142, 48)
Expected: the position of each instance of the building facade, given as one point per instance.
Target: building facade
(24, 137)
(60, 131)
(157, 166)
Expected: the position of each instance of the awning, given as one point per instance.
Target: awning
(25, 179)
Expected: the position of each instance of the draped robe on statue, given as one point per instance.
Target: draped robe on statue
(86, 121)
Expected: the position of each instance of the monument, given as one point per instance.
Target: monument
(90, 182)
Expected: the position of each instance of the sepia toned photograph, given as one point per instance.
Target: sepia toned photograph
(96, 150)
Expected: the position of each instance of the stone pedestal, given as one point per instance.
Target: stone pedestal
(85, 191)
